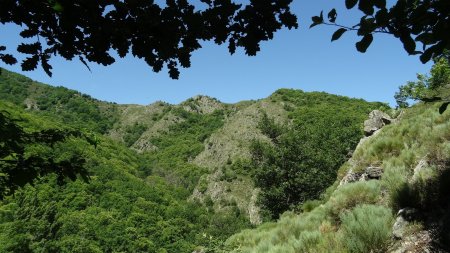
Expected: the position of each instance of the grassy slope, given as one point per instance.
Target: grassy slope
(357, 217)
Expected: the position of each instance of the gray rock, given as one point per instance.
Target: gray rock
(404, 217)
(377, 119)
(419, 168)
(420, 242)
(351, 177)
(399, 227)
(374, 172)
(409, 213)
(371, 172)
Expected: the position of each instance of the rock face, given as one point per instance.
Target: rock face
(371, 172)
(202, 104)
(377, 119)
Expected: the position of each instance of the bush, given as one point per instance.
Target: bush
(202, 184)
(367, 228)
(350, 195)
(309, 205)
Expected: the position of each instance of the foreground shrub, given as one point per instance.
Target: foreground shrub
(367, 228)
(350, 195)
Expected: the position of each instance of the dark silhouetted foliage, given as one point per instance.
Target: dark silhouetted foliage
(411, 21)
(163, 35)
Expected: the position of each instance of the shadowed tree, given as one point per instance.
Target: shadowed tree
(19, 166)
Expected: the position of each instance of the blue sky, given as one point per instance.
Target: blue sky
(301, 59)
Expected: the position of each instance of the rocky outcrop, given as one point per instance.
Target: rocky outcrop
(371, 172)
(408, 240)
(420, 242)
(374, 172)
(377, 119)
(202, 104)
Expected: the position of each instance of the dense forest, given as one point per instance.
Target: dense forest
(145, 178)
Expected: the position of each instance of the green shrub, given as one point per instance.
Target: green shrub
(348, 196)
(133, 132)
(367, 228)
(202, 184)
(309, 205)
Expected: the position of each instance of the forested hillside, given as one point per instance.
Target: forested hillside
(170, 178)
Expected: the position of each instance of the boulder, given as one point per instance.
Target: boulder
(404, 217)
(374, 172)
(351, 177)
(371, 172)
(399, 227)
(377, 119)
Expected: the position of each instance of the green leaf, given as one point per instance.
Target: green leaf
(350, 3)
(30, 63)
(380, 3)
(57, 7)
(313, 24)
(408, 43)
(317, 20)
(332, 15)
(426, 56)
(366, 6)
(382, 17)
(8, 59)
(338, 34)
(365, 42)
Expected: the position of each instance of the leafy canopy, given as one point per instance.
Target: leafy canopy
(428, 88)
(165, 35)
(161, 35)
(411, 21)
(27, 155)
